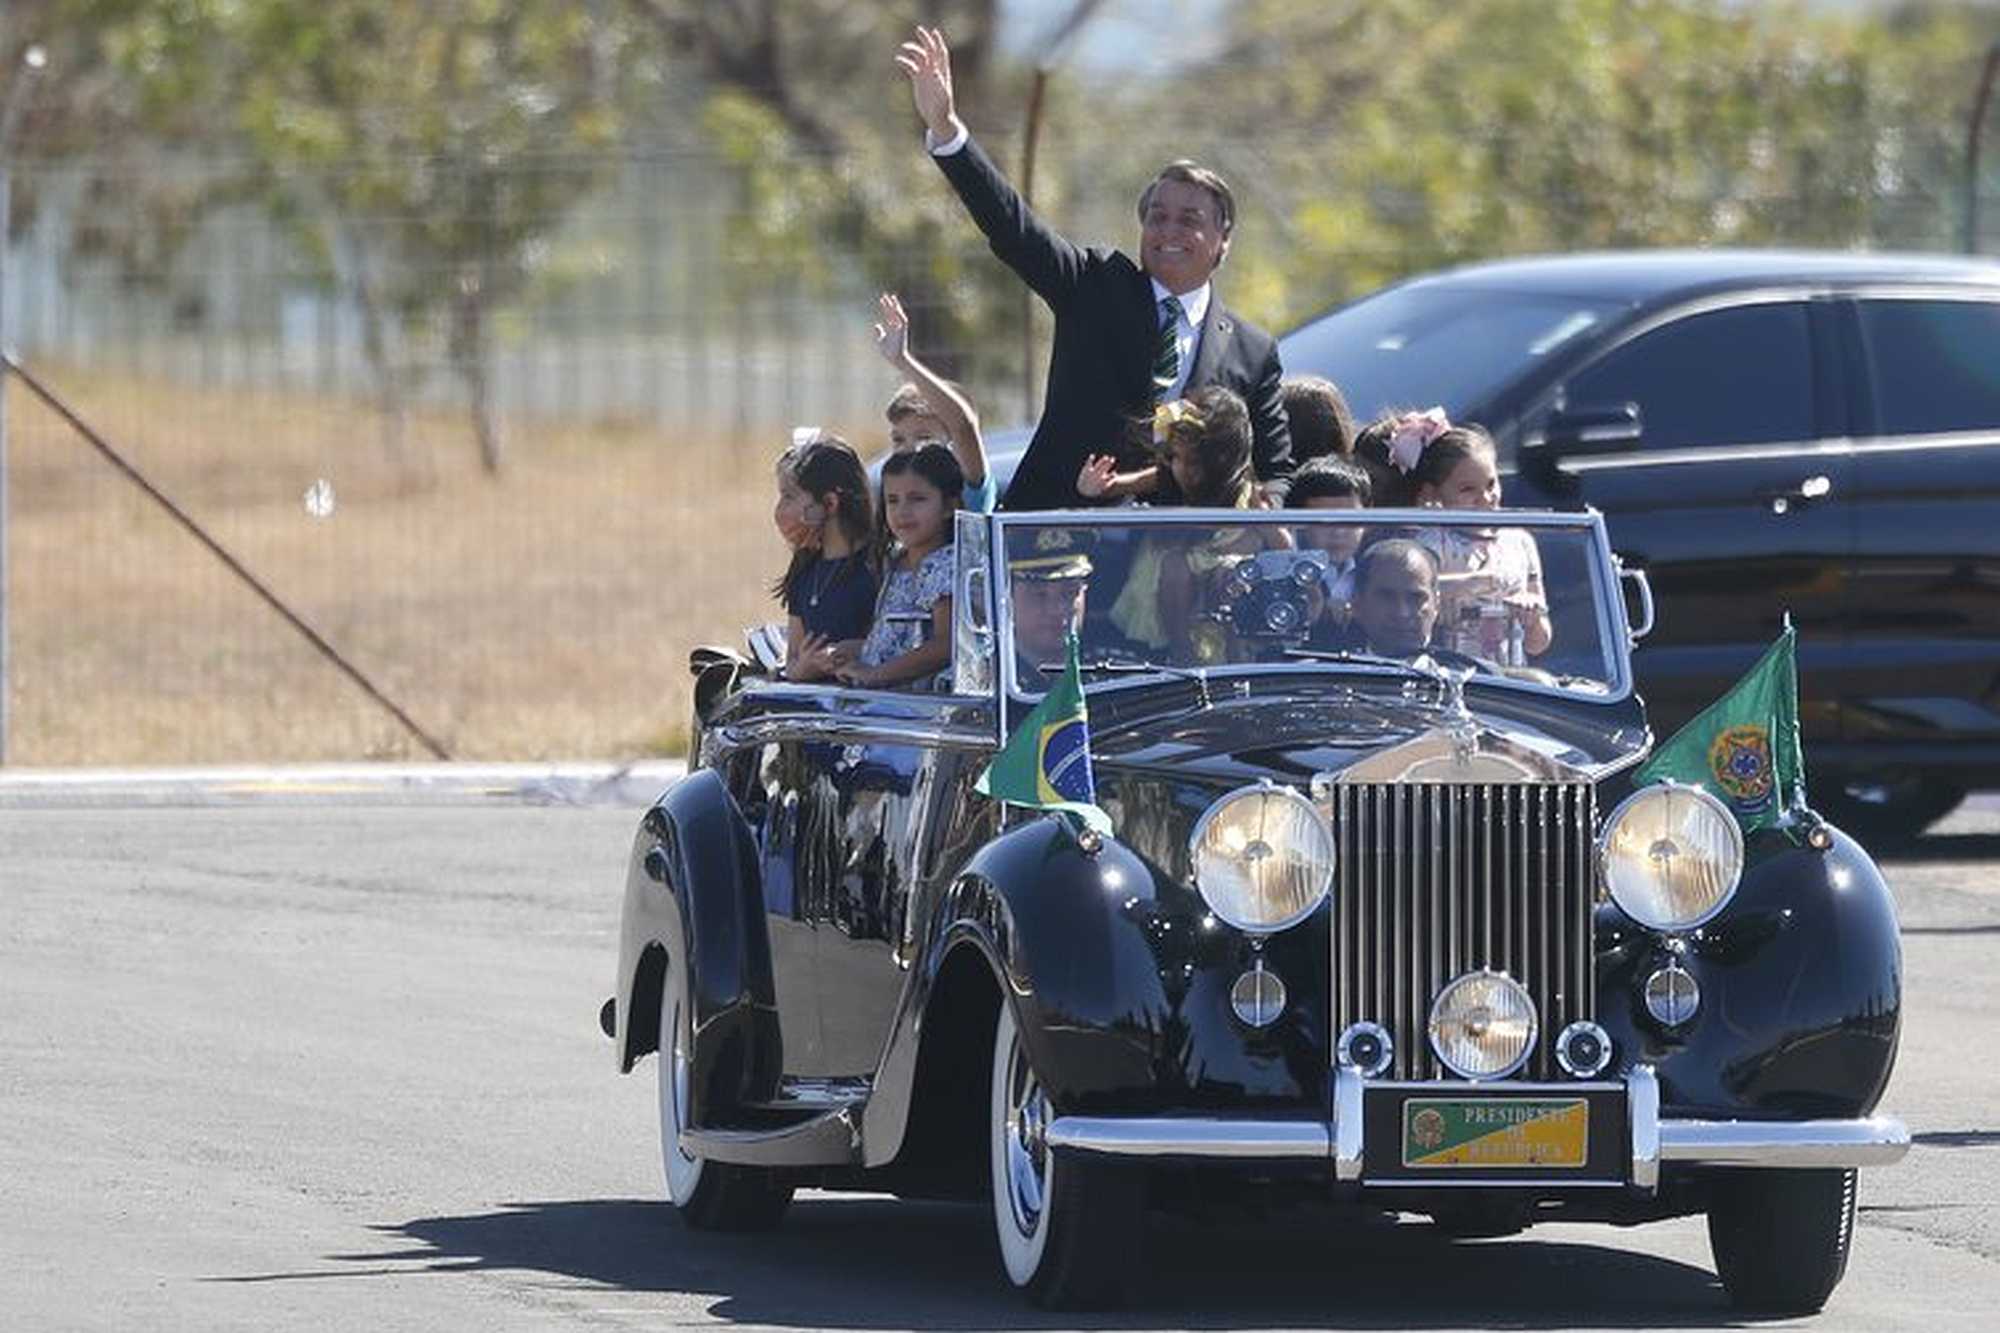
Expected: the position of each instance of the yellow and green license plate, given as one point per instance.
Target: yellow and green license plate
(1496, 1132)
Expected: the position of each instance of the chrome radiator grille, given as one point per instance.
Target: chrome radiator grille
(1439, 879)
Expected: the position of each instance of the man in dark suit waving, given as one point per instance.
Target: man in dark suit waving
(1129, 335)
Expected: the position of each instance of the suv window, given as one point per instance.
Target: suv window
(1934, 365)
(1737, 376)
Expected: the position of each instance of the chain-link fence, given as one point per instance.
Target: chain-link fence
(311, 403)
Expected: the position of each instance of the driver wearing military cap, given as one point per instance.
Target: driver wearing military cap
(1048, 580)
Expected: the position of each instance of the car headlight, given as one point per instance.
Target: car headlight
(1483, 1025)
(1670, 856)
(1263, 858)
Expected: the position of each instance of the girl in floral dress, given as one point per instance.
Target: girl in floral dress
(910, 641)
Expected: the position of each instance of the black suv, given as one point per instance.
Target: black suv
(1765, 432)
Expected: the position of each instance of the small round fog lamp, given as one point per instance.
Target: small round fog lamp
(1672, 995)
(1258, 997)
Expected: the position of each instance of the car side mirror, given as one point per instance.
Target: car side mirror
(1589, 430)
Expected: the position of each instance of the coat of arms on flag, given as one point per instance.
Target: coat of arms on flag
(1744, 748)
(1045, 764)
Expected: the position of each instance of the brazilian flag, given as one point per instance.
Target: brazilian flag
(1744, 748)
(1046, 762)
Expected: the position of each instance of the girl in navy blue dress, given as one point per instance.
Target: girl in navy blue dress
(828, 590)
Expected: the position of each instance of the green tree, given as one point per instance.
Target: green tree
(802, 102)
(473, 126)
(1396, 135)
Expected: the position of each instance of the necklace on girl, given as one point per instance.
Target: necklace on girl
(824, 572)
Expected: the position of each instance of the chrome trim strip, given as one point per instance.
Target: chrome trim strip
(1741, 1143)
(1463, 1182)
(1513, 1087)
(816, 1094)
(850, 730)
(1899, 444)
(833, 1139)
(1408, 516)
(1802, 450)
(1347, 1128)
(1876, 1141)
(1833, 446)
(1642, 1110)
(1172, 1136)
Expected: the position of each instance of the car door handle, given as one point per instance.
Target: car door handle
(1782, 500)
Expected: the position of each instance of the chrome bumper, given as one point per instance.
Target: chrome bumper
(1875, 1141)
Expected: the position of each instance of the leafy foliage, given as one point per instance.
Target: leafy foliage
(1397, 135)
(412, 153)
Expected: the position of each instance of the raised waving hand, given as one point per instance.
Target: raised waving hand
(927, 60)
(892, 329)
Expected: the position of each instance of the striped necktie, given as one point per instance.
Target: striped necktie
(1167, 352)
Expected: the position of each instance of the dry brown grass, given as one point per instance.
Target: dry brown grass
(543, 615)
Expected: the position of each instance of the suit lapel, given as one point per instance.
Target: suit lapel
(1212, 346)
(1144, 324)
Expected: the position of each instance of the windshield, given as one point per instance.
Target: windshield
(1423, 343)
(1526, 599)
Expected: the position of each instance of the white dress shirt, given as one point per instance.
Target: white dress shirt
(1194, 309)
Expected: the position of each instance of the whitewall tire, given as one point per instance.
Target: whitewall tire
(710, 1196)
(1070, 1230)
(683, 1171)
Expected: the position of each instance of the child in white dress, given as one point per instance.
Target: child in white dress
(1493, 605)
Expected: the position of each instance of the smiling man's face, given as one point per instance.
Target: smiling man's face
(1180, 235)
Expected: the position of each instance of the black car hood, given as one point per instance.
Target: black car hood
(1288, 727)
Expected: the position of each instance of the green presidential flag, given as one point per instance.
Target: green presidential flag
(1046, 762)
(1744, 747)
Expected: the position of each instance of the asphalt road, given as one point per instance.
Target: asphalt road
(290, 1066)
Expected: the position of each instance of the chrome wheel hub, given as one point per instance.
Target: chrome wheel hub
(1027, 1144)
(681, 1080)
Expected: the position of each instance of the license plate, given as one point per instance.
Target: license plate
(1495, 1132)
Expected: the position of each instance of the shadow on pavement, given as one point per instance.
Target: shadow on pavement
(877, 1263)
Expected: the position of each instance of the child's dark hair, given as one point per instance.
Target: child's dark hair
(1322, 425)
(1388, 486)
(827, 466)
(1447, 451)
(1329, 478)
(1219, 430)
(936, 464)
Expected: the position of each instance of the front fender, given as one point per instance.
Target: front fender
(1068, 933)
(1119, 979)
(1801, 990)
(692, 900)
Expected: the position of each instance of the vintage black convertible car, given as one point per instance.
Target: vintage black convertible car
(1379, 919)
